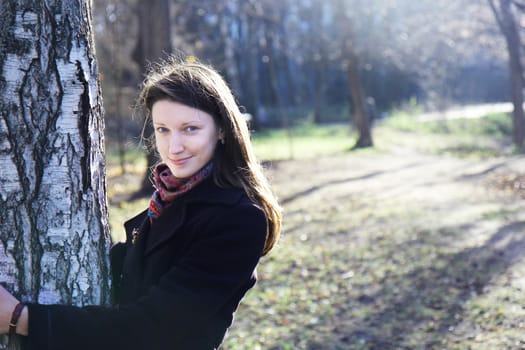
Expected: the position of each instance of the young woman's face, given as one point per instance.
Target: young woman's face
(186, 137)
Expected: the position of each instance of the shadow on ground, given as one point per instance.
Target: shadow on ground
(420, 308)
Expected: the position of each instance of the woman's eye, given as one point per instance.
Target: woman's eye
(161, 129)
(190, 128)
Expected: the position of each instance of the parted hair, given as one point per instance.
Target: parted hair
(200, 86)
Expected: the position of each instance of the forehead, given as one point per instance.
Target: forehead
(165, 111)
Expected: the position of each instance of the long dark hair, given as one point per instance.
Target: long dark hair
(199, 86)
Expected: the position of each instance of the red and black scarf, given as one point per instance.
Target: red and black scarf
(169, 187)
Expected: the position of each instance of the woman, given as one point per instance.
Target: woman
(190, 257)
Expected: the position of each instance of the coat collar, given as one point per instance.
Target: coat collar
(208, 192)
(205, 192)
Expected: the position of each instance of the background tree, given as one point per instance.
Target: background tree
(153, 43)
(504, 12)
(116, 22)
(348, 15)
(54, 236)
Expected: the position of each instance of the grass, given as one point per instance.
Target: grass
(357, 268)
(486, 137)
(496, 125)
(303, 142)
(122, 183)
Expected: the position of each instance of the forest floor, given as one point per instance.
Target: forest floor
(417, 245)
(400, 249)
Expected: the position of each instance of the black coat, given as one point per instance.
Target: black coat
(177, 280)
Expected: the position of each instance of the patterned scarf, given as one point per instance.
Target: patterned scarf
(169, 187)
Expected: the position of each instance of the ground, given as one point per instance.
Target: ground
(398, 249)
(417, 244)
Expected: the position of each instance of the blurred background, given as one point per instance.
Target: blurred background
(292, 62)
(392, 131)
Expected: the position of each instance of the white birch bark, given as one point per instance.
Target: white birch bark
(53, 215)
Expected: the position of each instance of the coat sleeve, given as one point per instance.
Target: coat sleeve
(213, 274)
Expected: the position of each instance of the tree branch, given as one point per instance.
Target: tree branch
(519, 5)
(498, 16)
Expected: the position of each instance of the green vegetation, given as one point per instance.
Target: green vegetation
(133, 155)
(484, 137)
(302, 142)
(121, 184)
(497, 125)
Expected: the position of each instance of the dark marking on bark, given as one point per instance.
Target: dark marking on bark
(63, 268)
(19, 140)
(104, 266)
(84, 111)
(8, 42)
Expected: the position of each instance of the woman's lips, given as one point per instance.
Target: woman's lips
(180, 162)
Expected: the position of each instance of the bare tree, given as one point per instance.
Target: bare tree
(54, 236)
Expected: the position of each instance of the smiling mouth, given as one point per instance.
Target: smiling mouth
(181, 161)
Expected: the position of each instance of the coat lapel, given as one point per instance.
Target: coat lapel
(134, 226)
(167, 225)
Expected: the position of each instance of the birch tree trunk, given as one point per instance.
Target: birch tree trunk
(53, 215)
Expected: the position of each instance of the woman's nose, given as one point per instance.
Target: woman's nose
(176, 145)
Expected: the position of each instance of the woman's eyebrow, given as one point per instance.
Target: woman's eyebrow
(192, 122)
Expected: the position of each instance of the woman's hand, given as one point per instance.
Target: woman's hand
(7, 305)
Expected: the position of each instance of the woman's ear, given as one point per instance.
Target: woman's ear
(221, 136)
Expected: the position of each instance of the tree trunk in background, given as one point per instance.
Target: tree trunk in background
(509, 28)
(53, 214)
(360, 113)
(359, 108)
(154, 43)
(253, 62)
(278, 94)
(320, 89)
(228, 22)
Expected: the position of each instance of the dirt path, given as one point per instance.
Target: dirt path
(399, 250)
(468, 112)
